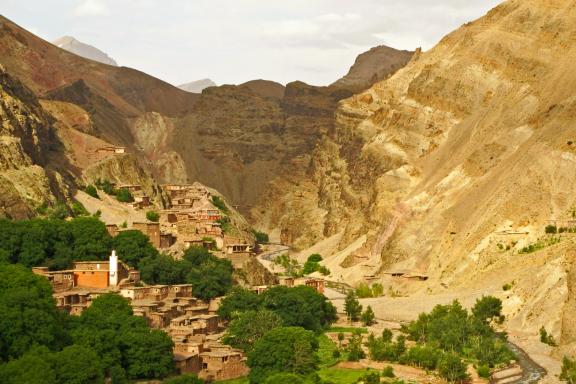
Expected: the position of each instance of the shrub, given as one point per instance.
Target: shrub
(568, 370)
(91, 190)
(336, 354)
(546, 338)
(124, 196)
(451, 367)
(367, 316)
(370, 378)
(507, 287)
(261, 237)
(388, 371)
(152, 216)
(551, 229)
(78, 209)
(219, 203)
(483, 371)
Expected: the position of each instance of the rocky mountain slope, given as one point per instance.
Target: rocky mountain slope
(197, 86)
(85, 50)
(29, 155)
(450, 167)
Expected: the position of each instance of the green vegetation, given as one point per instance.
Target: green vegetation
(39, 344)
(364, 290)
(124, 196)
(388, 371)
(352, 306)
(313, 265)
(152, 216)
(547, 338)
(568, 370)
(91, 190)
(249, 327)
(347, 329)
(368, 318)
(290, 265)
(225, 224)
(219, 203)
(132, 246)
(53, 243)
(261, 237)
(78, 209)
(551, 229)
(284, 349)
(341, 375)
(507, 286)
(210, 275)
(106, 186)
(184, 379)
(354, 349)
(540, 245)
(300, 306)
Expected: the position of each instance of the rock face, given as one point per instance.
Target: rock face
(469, 146)
(373, 66)
(197, 86)
(27, 177)
(81, 49)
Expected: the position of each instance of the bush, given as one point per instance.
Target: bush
(124, 196)
(220, 204)
(370, 378)
(547, 338)
(261, 237)
(483, 371)
(507, 287)
(184, 379)
(368, 317)
(451, 367)
(336, 354)
(568, 370)
(152, 216)
(91, 190)
(78, 209)
(551, 229)
(388, 371)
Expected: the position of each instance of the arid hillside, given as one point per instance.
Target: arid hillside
(449, 168)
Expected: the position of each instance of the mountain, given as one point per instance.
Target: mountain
(373, 66)
(450, 170)
(197, 86)
(81, 49)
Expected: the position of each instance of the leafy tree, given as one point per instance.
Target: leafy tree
(451, 367)
(28, 315)
(422, 356)
(370, 378)
(212, 278)
(162, 269)
(132, 246)
(284, 378)
(300, 306)
(91, 190)
(551, 229)
(284, 349)
(238, 300)
(368, 316)
(148, 354)
(196, 256)
(124, 196)
(34, 367)
(355, 351)
(388, 371)
(352, 306)
(249, 327)
(387, 335)
(547, 338)
(487, 308)
(90, 239)
(152, 216)
(78, 365)
(184, 379)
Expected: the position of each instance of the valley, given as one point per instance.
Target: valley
(421, 182)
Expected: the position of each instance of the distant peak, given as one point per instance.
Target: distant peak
(197, 86)
(87, 51)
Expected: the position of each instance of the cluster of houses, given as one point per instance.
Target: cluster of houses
(193, 325)
(191, 220)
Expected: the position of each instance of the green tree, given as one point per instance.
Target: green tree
(284, 378)
(91, 190)
(487, 308)
(34, 367)
(162, 269)
(219, 203)
(370, 378)
(132, 246)
(284, 349)
(261, 237)
(352, 306)
(212, 278)
(148, 354)
(124, 196)
(78, 365)
(451, 367)
(237, 301)
(387, 335)
(368, 316)
(90, 239)
(152, 216)
(184, 379)
(28, 315)
(355, 351)
(249, 327)
(300, 306)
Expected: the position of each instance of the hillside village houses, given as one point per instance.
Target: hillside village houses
(194, 326)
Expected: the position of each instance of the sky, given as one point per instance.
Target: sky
(233, 41)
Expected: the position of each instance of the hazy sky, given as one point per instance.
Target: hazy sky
(232, 41)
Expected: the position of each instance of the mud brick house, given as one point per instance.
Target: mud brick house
(222, 365)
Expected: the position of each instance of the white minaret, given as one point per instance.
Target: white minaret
(113, 271)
